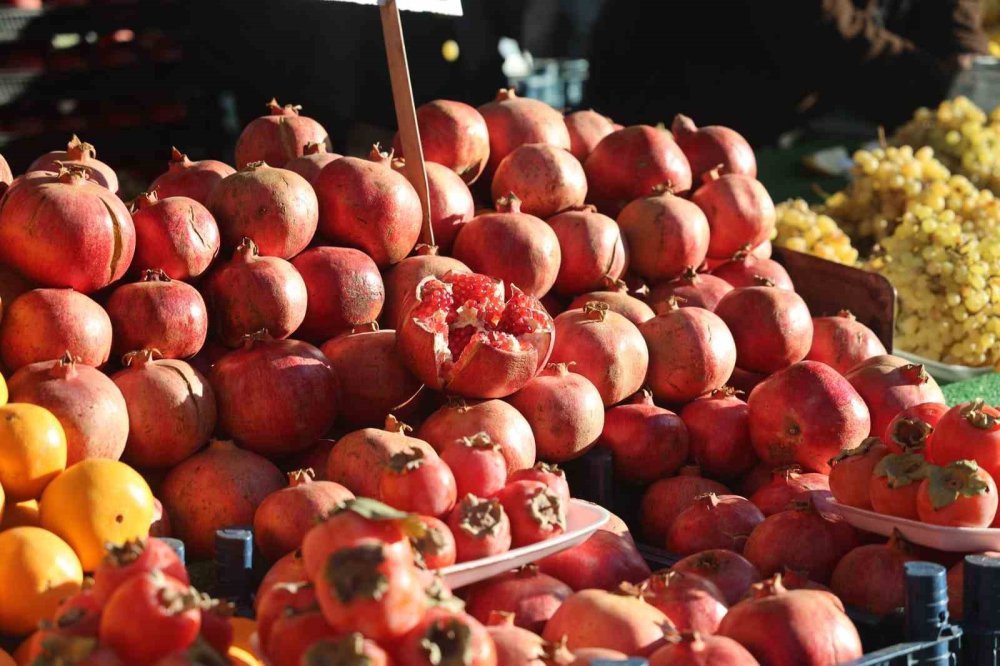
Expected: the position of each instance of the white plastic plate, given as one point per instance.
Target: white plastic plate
(582, 520)
(944, 371)
(951, 539)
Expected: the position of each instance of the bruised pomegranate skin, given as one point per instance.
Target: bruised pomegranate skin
(499, 420)
(745, 268)
(42, 324)
(617, 621)
(454, 135)
(739, 211)
(344, 290)
(530, 595)
(730, 572)
(278, 136)
(889, 384)
(719, 433)
(713, 521)
(586, 129)
(312, 160)
(842, 342)
(513, 121)
(691, 602)
(184, 178)
(78, 154)
(772, 327)
(666, 498)
(712, 146)
(547, 180)
(358, 458)
(665, 234)
(787, 485)
(691, 290)
(175, 234)
(646, 442)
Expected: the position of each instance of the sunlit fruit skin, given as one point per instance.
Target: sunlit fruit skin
(894, 484)
(499, 420)
(970, 431)
(719, 433)
(586, 129)
(513, 121)
(344, 290)
(772, 327)
(436, 635)
(911, 429)
(739, 210)
(437, 547)
(745, 268)
(175, 234)
(691, 602)
(293, 633)
(842, 342)
(278, 136)
(535, 512)
(531, 596)
(665, 234)
(713, 521)
(351, 646)
(451, 202)
(630, 307)
(454, 135)
(691, 290)
(851, 473)
(789, 484)
(40, 569)
(960, 494)
(547, 180)
(646, 441)
(592, 248)
(664, 499)
(416, 483)
(135, 557)
(890, 384)
(478, 465)
(311, 161)
(481, 528)
(78, 154)
(712, 146)
(32, 450)
(184, 178)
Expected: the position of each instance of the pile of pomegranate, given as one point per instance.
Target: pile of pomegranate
(287, 342)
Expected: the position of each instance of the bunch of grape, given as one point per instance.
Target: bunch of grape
(802, 229)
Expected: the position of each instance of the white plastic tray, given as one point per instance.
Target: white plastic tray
(951, 539)
(944, 371)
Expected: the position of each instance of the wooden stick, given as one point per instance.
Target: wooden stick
(406, 110)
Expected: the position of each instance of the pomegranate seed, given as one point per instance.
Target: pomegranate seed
(480, 292)
(522, 315)
(434, 298)
(458, 340)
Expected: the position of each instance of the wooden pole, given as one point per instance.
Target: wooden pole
(406, 110)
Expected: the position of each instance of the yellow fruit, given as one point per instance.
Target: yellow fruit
(97, 502)
(3, 401)
(32, 450)
(241, 657)
(22, 514)
(39, 571)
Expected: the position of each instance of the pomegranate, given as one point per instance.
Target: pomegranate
(283, 518)
(601, 562)
(344, 290)
(87, 403)
(772, 327)
(275, 396)
(795, 580)
(665, 499)
(275, 207)
(694, 649)
(665, 234)
(451, 202)
(546, 179)
(719, 433)
(889, 384)
(691, 290)
(454, 135)
(81, 235)
(780, 626)
(956, 586)
(739, 211)
(312, 160)
(627, 164)
(358, 458)
(842, 342)
(251, 293)
(175, 234)
(627, 306)
(800, 538)
(548, 473)
(646, 441)
(911, 429)
(691, 352)
(313, 458)
(481, 528)
(895, 480)
(41, 324)
(78, 154)
(536, 513)
(366, 205)
(789, 484)
(872, 577)
(184, 178)
(621, 620)
(219, 487)
(755, 479)
(530, 596)
(713, 521)
(731, 573)
(586, 129)
(158, 313)
(501, 422)
(513, 121)
(402, 279)
(713, 146)
(12, 285)
(592, 250)
(488, 242)
(515, 646)
(806, 414)
(852, 471)
(460, 336)
(278, 136)
(691, 602)
(744, 270)
(171, 409)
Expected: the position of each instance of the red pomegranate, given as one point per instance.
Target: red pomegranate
(713, 521)
(171, 409)
(800, 538)
(454, 135)
(219, 487)
(499, 420)
(41, 324)
(275, 396)
(283, 518)
(627, 164)
(621, 621)
(788, 484)
(459, 335)
(358, 458)
(889, 384)
(276, 208)
(781, 627)
(872, 577)
(739, 211)
(174, 234)
(78, 154)
(313, 458)
(278, 136)
(956, 586)
(451, 202)
(546, 179)
(184, 178)
(772, 327)
(665, 234)
(731, 573)
(87, 403)
(911, 429)
(251, 293)
(805, 415)
(627, 306)
(158, 313)
(755, 479)
(586, 129)
(695, 649)
(312, 160)
(745, 269)
(691, 353)
(515, 646)
(852, 471)
(843, 342)
(513, 121)
(592, 250)
(646, 441)
(81, 236)
(565, 412)
(402, 279)
(601, 562)
(531, 596)
(366, 205)
(691, 290)
(719, 432)
(713, 146)
(691, 602)
(344, 290)
(665, 499)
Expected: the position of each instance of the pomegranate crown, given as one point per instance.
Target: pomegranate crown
(177, 158)
(78, 150)
(286, 110)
